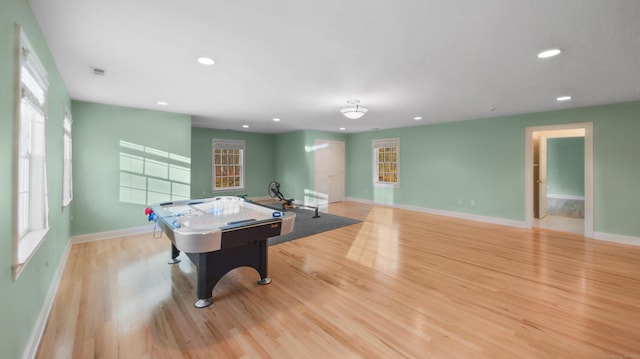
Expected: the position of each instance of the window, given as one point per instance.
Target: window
(31, 203)
(228, 165)
(67, 188)
(386, 161)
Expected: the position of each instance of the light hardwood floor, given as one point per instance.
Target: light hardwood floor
(399, 284)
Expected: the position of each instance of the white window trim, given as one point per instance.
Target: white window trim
(25, 244)
(230, 144)
(384, 142)
(67, 166)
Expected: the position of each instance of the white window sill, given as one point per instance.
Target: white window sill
(26, 247)
(388, 185)
(228, 189)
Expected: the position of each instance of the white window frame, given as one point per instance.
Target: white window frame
(67, 156)
(223, 144)
(385, 143)
(31, 209)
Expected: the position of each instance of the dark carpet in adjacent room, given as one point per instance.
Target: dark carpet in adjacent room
(305, 225)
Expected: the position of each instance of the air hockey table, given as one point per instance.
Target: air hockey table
(219, 234)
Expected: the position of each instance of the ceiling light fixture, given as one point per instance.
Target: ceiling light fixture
(418, 118)
(206, 60)
(342, 129)
(276, 120)
(549, 53)
(245, 126)
(353, 112)
(162, 103)
(563, 98)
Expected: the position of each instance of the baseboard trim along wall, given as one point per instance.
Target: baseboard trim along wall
(617, 238)
(609, 237)
(38, 328)
(471, 217)
(90, 237)
(565, 196)
(261, 199)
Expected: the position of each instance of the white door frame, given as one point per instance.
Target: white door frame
(588, 171)
(542, 176)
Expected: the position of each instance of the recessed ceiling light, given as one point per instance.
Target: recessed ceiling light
(418, 118)
(549, 53)
(206, 60)
(276, 120)
(563, 98)
(342, 129)
(245, 126)
(162, 103)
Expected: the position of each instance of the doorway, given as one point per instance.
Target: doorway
(536, 179)
(329, 172)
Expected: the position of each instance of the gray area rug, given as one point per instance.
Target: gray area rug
(305, 225)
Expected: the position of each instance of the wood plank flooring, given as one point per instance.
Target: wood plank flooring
(399, 284)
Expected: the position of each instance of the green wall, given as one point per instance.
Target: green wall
(616, 167)
(456, 167)
(23, 298)
(259, 162)
(287, 158)
(477, 167)
(295, 160)
(98, 132)
(292, 164)
(565, 166)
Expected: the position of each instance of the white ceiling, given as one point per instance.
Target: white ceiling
(300, 61)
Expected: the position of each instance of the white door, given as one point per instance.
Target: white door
(329, 172)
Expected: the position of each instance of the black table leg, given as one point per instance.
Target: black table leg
(174, 255)
(212, 266)
(262, 265)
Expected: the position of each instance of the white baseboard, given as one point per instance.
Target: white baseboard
(617, 238)
(111, 234)
(610, 237)
(441, 212)
(260, 199)
(31, 349)
(565, 196)
(90, 237)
